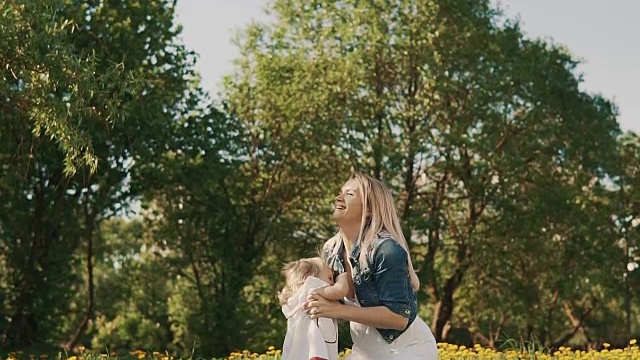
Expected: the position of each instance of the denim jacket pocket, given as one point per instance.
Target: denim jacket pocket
(365, 288)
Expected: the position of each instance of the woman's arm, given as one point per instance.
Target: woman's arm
(391, 277)
(391, 281)
(377, 316)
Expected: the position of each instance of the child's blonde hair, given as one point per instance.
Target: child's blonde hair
(296, 272)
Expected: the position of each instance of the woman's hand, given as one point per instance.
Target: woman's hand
(317, 307)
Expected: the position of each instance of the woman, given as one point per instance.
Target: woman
(383, 318)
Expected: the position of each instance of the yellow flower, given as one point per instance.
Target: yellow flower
(606, 345)
(271, 348)
(633, 342)
(72, 358)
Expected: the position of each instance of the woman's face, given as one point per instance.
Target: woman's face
(348, 203)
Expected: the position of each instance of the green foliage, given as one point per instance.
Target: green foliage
(517, 190)
(60, 89)
(76, 92)
(472, 124)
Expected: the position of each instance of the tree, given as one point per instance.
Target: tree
(446, 101)
(93, 81)
(626, 222)
(41, 61)
(132, 301)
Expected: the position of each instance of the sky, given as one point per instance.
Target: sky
(603, 35)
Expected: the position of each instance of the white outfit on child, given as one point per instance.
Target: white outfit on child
(306, 338)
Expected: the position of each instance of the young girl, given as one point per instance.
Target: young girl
(306, 338)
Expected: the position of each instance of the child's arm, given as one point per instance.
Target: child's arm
(336, 291)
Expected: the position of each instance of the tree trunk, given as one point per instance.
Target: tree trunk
(90, 223)
(379, 118)
(545, 338)
(20, 332)
(577, 323)
(444, 307)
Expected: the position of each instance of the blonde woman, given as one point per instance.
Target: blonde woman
(381, 306)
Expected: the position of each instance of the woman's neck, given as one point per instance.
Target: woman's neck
(349, 234)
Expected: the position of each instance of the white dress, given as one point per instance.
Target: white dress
(416, 343)
(306, 338)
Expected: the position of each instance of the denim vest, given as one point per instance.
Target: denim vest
(383, 282)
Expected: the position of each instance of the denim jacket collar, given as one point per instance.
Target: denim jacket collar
(355, 250)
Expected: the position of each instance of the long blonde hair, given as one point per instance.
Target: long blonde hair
(296, 272)
(379, 214)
